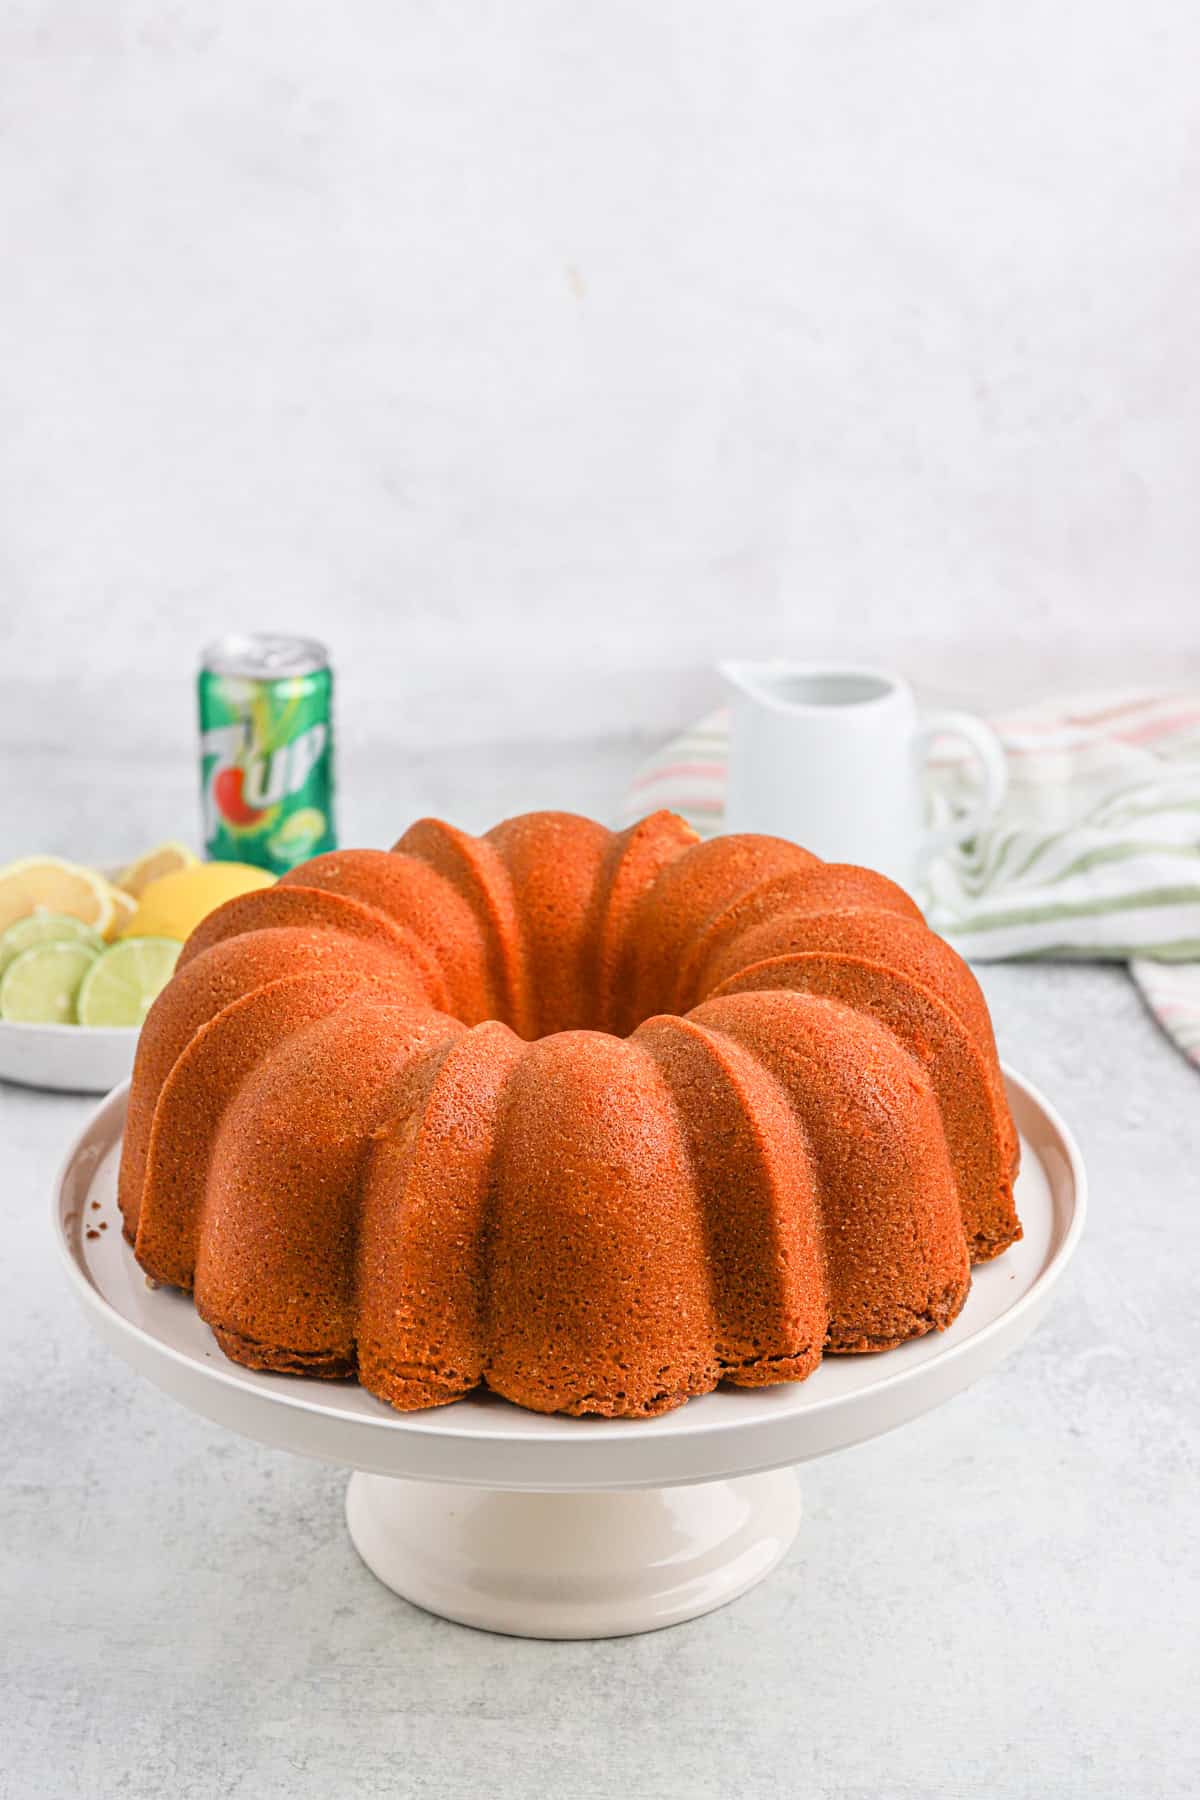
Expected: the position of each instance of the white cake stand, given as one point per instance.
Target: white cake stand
(570, 1528)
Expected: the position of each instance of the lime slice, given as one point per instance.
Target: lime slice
(121, 986)
(45, 928)
(40, 985)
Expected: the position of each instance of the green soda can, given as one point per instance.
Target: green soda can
(266, 751)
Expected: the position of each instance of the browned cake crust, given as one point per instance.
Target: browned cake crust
(596, 1120)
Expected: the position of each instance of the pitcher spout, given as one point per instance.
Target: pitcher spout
(763, 682)
(795, 688)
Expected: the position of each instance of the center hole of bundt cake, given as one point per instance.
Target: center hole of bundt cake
(558, 996)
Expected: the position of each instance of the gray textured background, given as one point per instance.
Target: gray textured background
(538, 355)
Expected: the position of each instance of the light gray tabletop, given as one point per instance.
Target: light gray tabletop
(998, 1600)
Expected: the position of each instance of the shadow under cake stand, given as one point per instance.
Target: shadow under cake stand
(570, 1528)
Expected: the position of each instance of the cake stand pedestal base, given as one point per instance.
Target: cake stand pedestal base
(589, 1565)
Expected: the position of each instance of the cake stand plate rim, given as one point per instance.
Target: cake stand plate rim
(489, 1443)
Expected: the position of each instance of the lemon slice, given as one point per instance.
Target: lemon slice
(124, 908)
(45, 928)
(40, 985)
(47, 884)
(120, 986)
(164, 859)
(174, 905)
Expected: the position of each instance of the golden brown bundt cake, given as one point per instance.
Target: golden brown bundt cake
(596, 1120)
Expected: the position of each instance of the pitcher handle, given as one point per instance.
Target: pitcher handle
(994, 771)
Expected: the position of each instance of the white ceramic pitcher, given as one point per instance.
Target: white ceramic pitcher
(833, 759)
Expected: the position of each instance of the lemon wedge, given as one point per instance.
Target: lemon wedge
(174, 905)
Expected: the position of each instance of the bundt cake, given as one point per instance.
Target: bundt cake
(594, 1120)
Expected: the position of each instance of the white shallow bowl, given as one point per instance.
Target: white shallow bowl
(71, 1059)
(546, 1526)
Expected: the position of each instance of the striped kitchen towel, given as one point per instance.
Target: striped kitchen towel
(1094, 855)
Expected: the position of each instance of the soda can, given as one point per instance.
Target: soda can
(266, 750)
